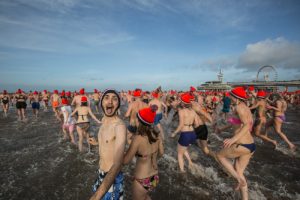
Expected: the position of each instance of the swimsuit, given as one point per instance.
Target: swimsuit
(157, 118)
(251, 146)
(149, 183)
(5, 100)
(281, 117)
(21, 104)
(234, 121)
(201, 132)
(115, 192)
(226, 105)
(187, 138)
(131, 128)
(84, 125)
(35, 105)
(55, 104)
(96, 102)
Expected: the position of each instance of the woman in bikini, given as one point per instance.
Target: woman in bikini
(260, 117)
(147, 146)
(21, 104)
(279, 117)
(187, 119)
(83, 123)
(5, 102)
(241, 146)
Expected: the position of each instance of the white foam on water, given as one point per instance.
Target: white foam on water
(255, 193)
(282, 191)
(287, 151)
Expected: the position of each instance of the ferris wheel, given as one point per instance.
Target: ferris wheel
(267, 73)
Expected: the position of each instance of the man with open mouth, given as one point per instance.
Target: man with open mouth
(111, 140)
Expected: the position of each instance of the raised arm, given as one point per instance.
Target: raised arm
(93, 116)
(120, 142)
(128, 110)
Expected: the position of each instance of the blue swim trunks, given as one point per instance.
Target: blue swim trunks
(157, 118)
(35, 105)
(187, 138)
(115, 192)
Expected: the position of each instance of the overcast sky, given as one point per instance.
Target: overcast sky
(126, 44)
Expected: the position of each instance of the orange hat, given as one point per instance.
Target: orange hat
(239, 92)
(186, 98)
(35, 92)
(192, 89)
(84, 99)
(261, 94)
(55, 91)
(147, 115)
(64, 101)
(81, 91)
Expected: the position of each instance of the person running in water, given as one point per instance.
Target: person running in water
(83, 123)
(77, 98)
(132, 111)
(21, 104)
(69, 122)
(5, 102)
(241, 146)
(187, 118)
(35, 103)
(45, 99)
(278, 118)
(200, 126)
(260, 118)
(96, 98)
(55, 100)
(111, 140)
(159, 113)
(147, 146)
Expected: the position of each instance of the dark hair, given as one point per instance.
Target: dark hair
(84, 104)
(149, 131)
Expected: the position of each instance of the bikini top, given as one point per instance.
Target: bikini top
(234, 121)
(237, 121)
(146, 156)
(82, 116)
(20, 97)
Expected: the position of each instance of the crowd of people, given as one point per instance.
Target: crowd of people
(246, 111)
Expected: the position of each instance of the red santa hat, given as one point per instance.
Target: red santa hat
(147, 115)
(239, 92)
